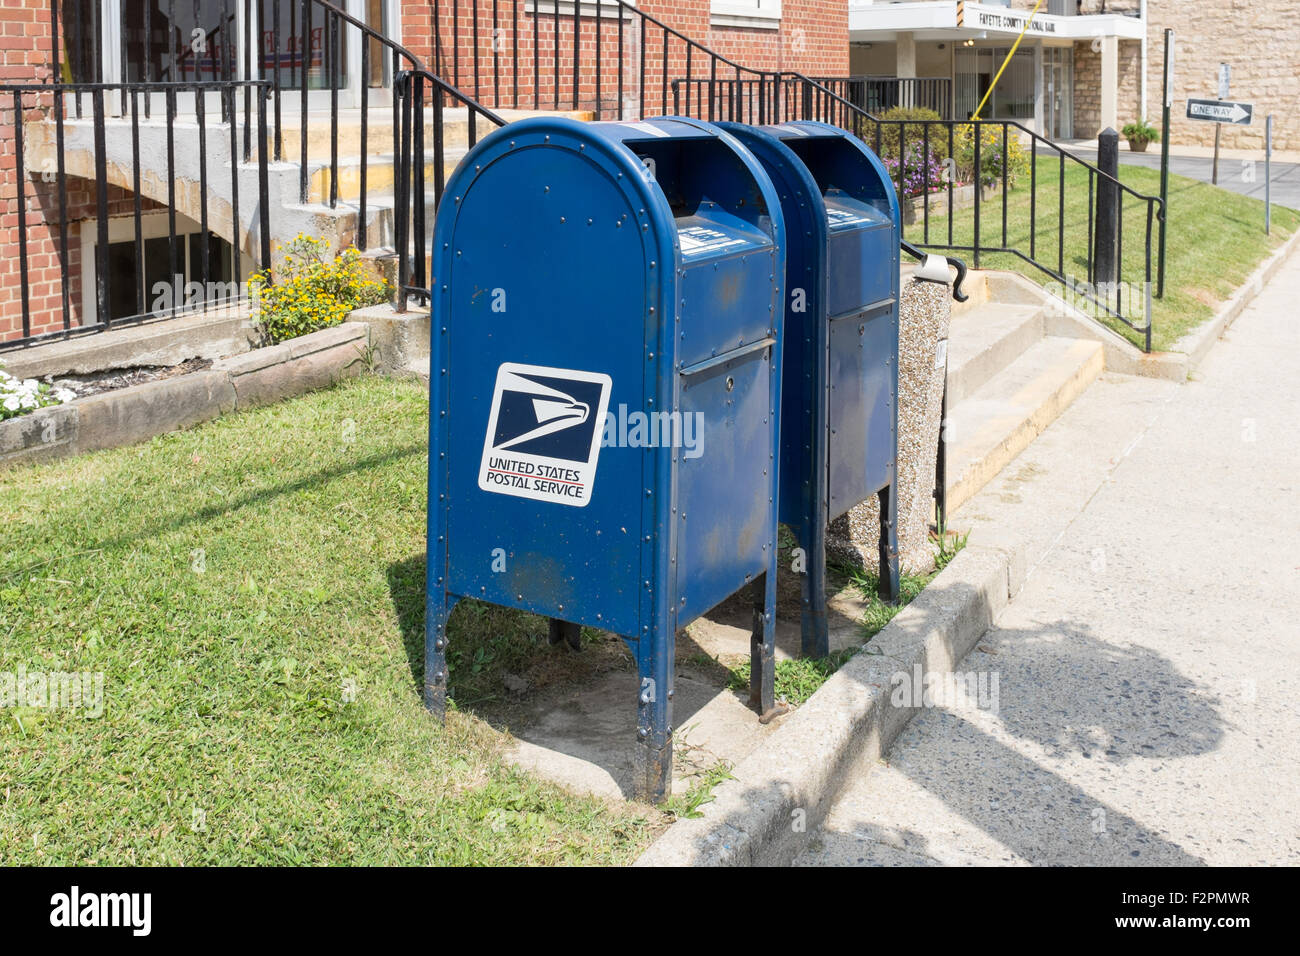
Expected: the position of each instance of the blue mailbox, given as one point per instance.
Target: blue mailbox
(839, 405)
(604, 392)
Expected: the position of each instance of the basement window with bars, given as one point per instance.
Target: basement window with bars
(750, 14)
(164, 291)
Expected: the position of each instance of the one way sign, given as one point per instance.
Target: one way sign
(1220, 111)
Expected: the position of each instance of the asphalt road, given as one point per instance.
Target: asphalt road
(1235, 174)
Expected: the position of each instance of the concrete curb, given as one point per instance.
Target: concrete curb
(782, 792)
(129, 415)
(1197, 343)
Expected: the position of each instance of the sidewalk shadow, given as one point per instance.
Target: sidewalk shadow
(1067, 695)
(1071, 696)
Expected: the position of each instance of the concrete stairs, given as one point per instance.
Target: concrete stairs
(343, 224)
(1015, 363)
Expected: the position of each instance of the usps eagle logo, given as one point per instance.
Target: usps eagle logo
(543, 433)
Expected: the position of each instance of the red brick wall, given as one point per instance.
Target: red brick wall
(24, 41)
(812, 38)
(24, 58)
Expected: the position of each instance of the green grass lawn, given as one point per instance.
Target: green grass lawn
(1215, 240)
(251, 591)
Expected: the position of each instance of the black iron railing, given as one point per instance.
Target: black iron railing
(984, 188)
(878, 94)
(988, 188)
(60, 143)
(424, 101)
(996, 187)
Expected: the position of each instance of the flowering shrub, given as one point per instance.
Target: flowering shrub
(991, 159)
(908, 123)
(313, 292)
(20, 396)
(921, 173)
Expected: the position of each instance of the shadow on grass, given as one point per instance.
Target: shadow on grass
(489, 646)
(233, 503)
(406, 586)
(580, 706)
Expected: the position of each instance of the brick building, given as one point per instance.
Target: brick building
(1084, 64)
(504, 53)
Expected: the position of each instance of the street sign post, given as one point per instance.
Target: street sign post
(1225, 90)
(1164, 158)
(1268, 175)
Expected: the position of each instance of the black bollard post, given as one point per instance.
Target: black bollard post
(1103, 256)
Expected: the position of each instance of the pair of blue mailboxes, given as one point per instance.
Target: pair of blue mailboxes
(652, 341)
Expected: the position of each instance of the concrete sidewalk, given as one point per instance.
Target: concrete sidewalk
(1147, 675)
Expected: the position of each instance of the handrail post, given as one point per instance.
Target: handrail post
(1104, 253)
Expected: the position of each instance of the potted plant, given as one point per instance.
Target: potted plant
(1139, 134)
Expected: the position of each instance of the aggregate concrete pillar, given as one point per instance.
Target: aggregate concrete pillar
(925, 310)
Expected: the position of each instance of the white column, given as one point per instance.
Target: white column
(905, 65)
(1040, 90)
(1110, 82)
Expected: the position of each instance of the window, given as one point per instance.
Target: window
(161, 288)
(1013, 97)
(753, 14)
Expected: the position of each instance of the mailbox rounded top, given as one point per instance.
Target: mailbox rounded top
(840, 160)
(638, 155)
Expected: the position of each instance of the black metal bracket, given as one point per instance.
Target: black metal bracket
(919, 255)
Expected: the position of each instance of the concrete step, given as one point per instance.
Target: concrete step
(416, 368)
(380, 174)
(983, 342)
(976, 289)
(995, 423)
(379, 130)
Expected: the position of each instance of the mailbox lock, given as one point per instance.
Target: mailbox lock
(731, 383)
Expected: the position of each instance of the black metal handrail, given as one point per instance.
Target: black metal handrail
(648, 39)
(877, 94)
(557, 56)
(612, 59)
(57, 105)
(1106, 293)
(414, 90)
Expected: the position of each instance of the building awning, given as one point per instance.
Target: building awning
(959, 20)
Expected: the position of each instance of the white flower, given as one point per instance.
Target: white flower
(11, 403)
(64, 394)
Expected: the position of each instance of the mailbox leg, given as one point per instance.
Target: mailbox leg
(654, 715)
(436, 612)
(762, 645)
(889, 585)
(565, 631)
(814, 639)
